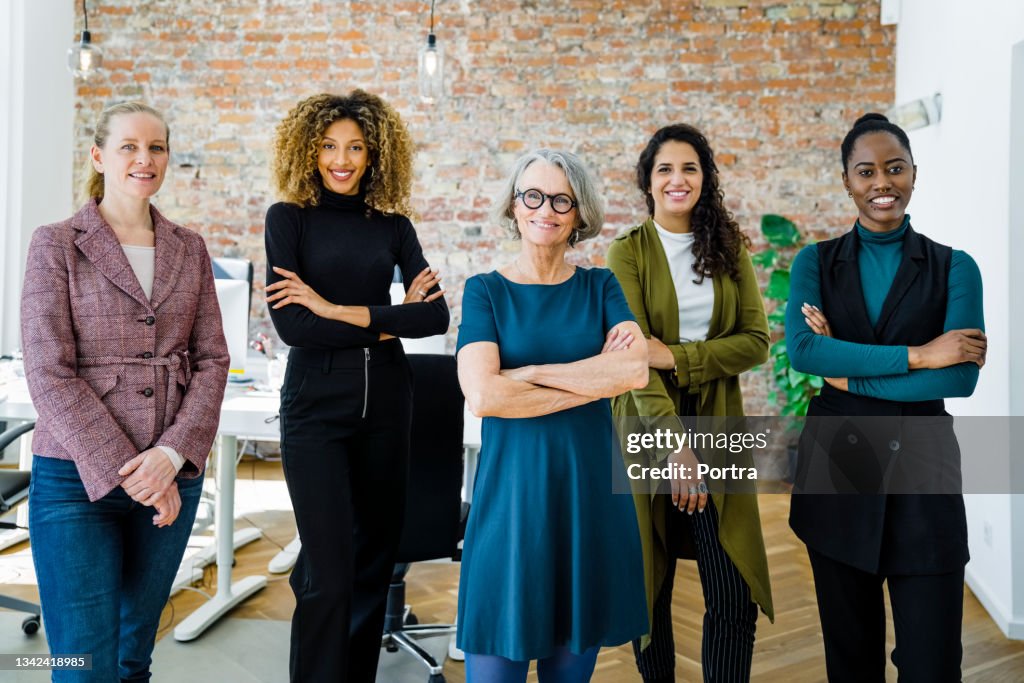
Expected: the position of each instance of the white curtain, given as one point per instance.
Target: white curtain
(36, 137)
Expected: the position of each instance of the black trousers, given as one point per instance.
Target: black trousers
(730, 616)
(927, 615)
(345, 421)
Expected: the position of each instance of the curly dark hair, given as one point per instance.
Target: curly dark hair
(388, 180)
(717, 237)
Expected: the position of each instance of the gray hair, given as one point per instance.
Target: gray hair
(588, 202)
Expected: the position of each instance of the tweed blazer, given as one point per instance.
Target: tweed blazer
(112, 373)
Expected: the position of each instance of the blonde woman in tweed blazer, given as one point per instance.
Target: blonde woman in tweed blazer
(126, 363)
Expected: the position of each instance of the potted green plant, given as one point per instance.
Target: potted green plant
(793, 389)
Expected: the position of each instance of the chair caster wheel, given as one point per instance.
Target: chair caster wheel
(412, 619)
(436, 678)
(31, 625)
(391, 647)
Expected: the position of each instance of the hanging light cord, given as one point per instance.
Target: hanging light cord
(431, 15)
(85, 15)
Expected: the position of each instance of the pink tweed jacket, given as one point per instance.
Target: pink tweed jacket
(112, 373)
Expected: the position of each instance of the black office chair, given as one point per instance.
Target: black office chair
(14, 489)
(434, 512)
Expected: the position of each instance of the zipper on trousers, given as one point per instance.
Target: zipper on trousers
(366, 380)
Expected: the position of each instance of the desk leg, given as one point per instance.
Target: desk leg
(285, 560)
(471, 454)
(11, 537)
(228, 594)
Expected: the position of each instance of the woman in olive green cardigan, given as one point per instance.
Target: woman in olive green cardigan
(690, 282)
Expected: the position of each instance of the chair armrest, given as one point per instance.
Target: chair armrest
(14, 433)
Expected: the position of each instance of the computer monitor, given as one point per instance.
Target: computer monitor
(233, 296)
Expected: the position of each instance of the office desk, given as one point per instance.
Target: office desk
(253, 415)
(243, 413)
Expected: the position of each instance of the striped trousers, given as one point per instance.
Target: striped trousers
(730, 616)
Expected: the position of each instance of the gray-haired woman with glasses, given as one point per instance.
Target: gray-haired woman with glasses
(551, 568)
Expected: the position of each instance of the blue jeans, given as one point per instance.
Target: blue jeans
(104, 570)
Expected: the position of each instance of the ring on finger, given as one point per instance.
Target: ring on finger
(702, 488)
(422, 293)
(692, 490)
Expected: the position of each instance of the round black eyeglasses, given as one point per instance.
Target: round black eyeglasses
(534, 199)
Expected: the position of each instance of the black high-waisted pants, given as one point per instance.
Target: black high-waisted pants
(345, 419)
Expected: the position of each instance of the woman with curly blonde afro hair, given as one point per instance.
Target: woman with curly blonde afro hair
(297, 147)
(343, 166)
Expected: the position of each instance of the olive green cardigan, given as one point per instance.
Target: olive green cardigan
(737, 341)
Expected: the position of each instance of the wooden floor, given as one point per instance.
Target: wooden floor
(788, 651)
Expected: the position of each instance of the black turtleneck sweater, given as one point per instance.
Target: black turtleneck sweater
(347, 253)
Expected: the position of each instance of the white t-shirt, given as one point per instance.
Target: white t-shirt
(696, 302)
(143, 262)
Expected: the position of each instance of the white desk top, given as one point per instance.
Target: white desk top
(245, 412)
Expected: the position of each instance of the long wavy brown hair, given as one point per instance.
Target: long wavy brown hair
(717, 237)
(388, 178)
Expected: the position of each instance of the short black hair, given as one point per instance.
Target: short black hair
(872, 122)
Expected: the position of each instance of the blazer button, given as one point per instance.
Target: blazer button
(894, 445)
(147, 392)
(150, 320)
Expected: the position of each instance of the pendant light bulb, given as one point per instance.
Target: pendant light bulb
(431, 71)
(84, 58)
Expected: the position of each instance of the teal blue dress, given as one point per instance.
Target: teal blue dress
(551, 556)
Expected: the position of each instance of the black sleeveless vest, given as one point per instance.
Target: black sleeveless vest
(897, 533)
(913, 313)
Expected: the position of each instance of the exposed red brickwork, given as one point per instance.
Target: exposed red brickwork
(774, 85)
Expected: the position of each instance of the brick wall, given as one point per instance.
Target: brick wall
(774, 85)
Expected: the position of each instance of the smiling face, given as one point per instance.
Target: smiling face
(676, 181)
(880, 176)
(343, 157)
(134, 158)
(544, 226)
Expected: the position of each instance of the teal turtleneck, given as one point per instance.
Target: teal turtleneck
(875, 370)
(878, 257)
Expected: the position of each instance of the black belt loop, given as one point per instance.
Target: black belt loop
(326, 368)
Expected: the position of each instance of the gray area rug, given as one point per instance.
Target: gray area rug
(231, 651)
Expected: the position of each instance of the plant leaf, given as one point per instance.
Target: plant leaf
(779, 231)
(765, 259)
(778, 286)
